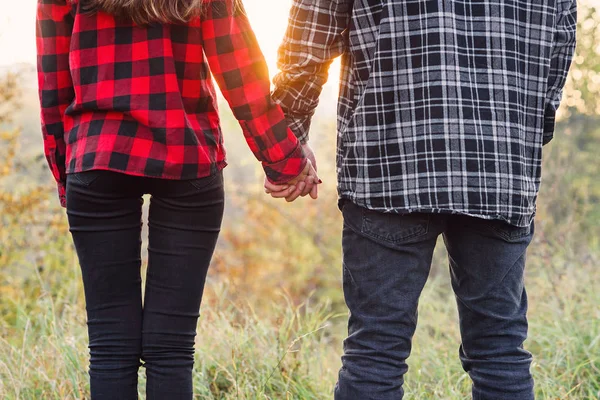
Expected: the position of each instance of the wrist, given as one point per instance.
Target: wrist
(288, 169)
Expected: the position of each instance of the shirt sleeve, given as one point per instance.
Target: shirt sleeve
(562, 56)
(240, 70)
(314, 38)
(53, 33)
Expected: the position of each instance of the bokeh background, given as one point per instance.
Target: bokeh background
(273, 318)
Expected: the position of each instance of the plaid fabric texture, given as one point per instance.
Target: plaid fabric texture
(444, 105)
(140, 100)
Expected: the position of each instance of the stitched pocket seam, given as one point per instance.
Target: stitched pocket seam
(420, 230)
(206, 182)
(83, 182)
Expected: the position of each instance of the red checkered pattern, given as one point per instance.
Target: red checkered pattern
(140, 100)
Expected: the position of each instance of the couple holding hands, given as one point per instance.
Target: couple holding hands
(444, 108)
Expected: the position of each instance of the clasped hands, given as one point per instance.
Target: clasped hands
(307, 183)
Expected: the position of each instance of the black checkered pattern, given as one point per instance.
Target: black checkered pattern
(444, 106)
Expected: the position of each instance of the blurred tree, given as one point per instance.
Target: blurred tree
(268, 246)
(582, 89)
(28, 222)
(570, 198)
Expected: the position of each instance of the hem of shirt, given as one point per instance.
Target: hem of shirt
(220, 165)
(518, 222)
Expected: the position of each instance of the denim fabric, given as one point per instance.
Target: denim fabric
(387, 259)
(105, 212)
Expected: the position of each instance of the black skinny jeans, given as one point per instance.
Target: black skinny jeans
(105, 213)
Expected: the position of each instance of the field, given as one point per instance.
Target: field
(273, 318)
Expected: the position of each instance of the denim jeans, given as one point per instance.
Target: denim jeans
(105, 213)
(387, 259)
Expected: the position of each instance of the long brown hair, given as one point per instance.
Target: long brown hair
(144, 12)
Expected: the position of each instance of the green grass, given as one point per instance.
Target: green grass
(292, 352)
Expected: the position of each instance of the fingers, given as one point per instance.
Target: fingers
(296, 193)
(313, 182)
(309, 185)
(283, 193)
(313, 190)
(272, 188)
(314, 193)
(303, 185)
(302, 175)
(310, 182)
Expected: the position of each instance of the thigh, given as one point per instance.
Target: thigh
(386, 262)
(386, 259)
(105, 211)
(487, 263)
(184, 224)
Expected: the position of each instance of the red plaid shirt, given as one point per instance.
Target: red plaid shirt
(140, 100)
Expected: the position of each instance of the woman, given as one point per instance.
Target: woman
(128, 108)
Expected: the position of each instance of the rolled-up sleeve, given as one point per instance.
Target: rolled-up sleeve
(314, 38)
(562, 56)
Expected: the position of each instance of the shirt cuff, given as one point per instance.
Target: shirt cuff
(62, 194)
(549, 124)
(283, 171)
(300, 125)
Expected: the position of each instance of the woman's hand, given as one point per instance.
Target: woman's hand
(304, 184)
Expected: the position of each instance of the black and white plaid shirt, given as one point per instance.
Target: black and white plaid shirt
(444, 104)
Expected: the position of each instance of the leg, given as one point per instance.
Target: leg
(184, 221)
(105, 214)
(487, 261)
(387, 259)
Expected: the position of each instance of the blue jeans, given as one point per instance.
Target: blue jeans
(387, 259)
(105, 214)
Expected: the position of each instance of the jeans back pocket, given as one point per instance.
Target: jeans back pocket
(386, 228)
(86, 178)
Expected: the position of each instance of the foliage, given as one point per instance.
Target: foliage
(28, 224)
(288, 351)
(273, 317)
(274, 246)
(582, 90)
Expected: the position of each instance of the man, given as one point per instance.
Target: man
(443, 111)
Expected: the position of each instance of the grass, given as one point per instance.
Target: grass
(254, 343)
(289, 351)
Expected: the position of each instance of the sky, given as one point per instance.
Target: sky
(17, 28)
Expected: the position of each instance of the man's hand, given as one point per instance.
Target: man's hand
(306, 183)
(308, 151)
